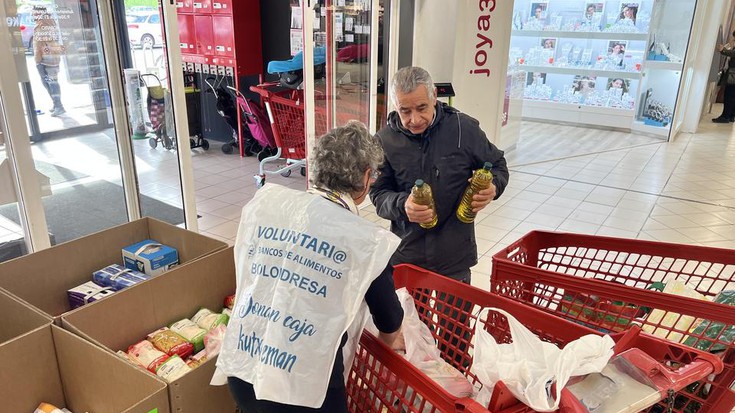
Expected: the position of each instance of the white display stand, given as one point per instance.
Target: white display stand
(592, 62)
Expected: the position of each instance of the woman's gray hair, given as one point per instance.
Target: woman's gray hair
(408, 79)
(342, 156)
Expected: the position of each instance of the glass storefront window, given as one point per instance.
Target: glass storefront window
(614, 64)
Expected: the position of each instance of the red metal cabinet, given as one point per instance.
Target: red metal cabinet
(208, 34)
(184, 6)
(224, 37)
(204, 35)
(202, 6)
(187, 36)
(222, 7)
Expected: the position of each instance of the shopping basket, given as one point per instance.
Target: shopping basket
(382, 381)
(610, 284)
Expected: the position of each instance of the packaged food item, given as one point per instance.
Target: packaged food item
(191, 332)
(422, 195)
(671, 323)
(226, 311)
(118, 277)
(213, 341)
(171, 343)
(230, 301)
(172, 369)
(146, 355)
(713, 329)
(481, 179)
(208, 320)
(197, 359)
(47, 408)
(87, 293)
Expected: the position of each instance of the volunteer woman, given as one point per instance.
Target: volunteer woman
(272, 365)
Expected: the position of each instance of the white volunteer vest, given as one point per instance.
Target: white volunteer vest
(303, 267)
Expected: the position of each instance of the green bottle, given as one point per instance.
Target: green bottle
(481, 179)
(422, 195)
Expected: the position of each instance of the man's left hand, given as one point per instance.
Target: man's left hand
(483, 198)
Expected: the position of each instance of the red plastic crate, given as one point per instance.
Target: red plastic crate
(382, 381)
(604, 283)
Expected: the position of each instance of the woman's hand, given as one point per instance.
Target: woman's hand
(394, 340)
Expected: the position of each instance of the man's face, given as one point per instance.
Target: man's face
(416, 110)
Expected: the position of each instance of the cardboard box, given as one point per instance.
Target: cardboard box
(54, 366)
(42, 279)
(124, 319)
(17, 318)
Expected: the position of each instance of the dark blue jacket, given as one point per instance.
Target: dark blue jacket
(444, 156)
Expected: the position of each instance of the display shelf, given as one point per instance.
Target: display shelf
(663, 65)
(639, 126)
(577, 113)
(581, 35)
(580, 70)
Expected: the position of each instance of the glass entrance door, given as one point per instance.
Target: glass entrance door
(61, 71)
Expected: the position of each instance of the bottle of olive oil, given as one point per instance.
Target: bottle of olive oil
(422, 195)
(481, 179)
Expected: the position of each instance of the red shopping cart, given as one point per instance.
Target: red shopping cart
(285, 109)
(610, 284)
(382, 381)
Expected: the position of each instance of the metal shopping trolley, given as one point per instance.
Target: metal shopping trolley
(285, 109)
(380, 380)
(611, 283)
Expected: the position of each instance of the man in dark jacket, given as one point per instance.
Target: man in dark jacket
(429, 140)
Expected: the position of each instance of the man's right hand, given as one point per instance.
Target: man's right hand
(419, 214)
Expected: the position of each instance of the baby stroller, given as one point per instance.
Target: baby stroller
(257, 134)
(227, 107)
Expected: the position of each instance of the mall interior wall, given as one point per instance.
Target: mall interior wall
(470, 50)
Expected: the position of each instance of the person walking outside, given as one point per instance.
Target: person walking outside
(47, 51)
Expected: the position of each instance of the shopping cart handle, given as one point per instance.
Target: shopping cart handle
(666, 379)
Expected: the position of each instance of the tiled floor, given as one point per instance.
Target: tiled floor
(682, 191)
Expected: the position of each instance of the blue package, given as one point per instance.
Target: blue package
(118, 277)
(150, 257)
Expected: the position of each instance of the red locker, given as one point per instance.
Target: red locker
(222, 7)
(224, 36)
(204, 35)
(248, 52)
(187, 36)
(202, 6)
(184, 6)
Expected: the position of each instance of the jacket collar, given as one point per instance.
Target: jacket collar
(440, 111)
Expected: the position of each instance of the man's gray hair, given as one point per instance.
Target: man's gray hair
(408, 79)
(342, 156)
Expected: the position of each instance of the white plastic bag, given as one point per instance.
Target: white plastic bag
(529, 367)
(422, 352)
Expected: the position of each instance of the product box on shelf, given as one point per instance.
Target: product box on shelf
(54, 366)
(121, 320)
(43, 278)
